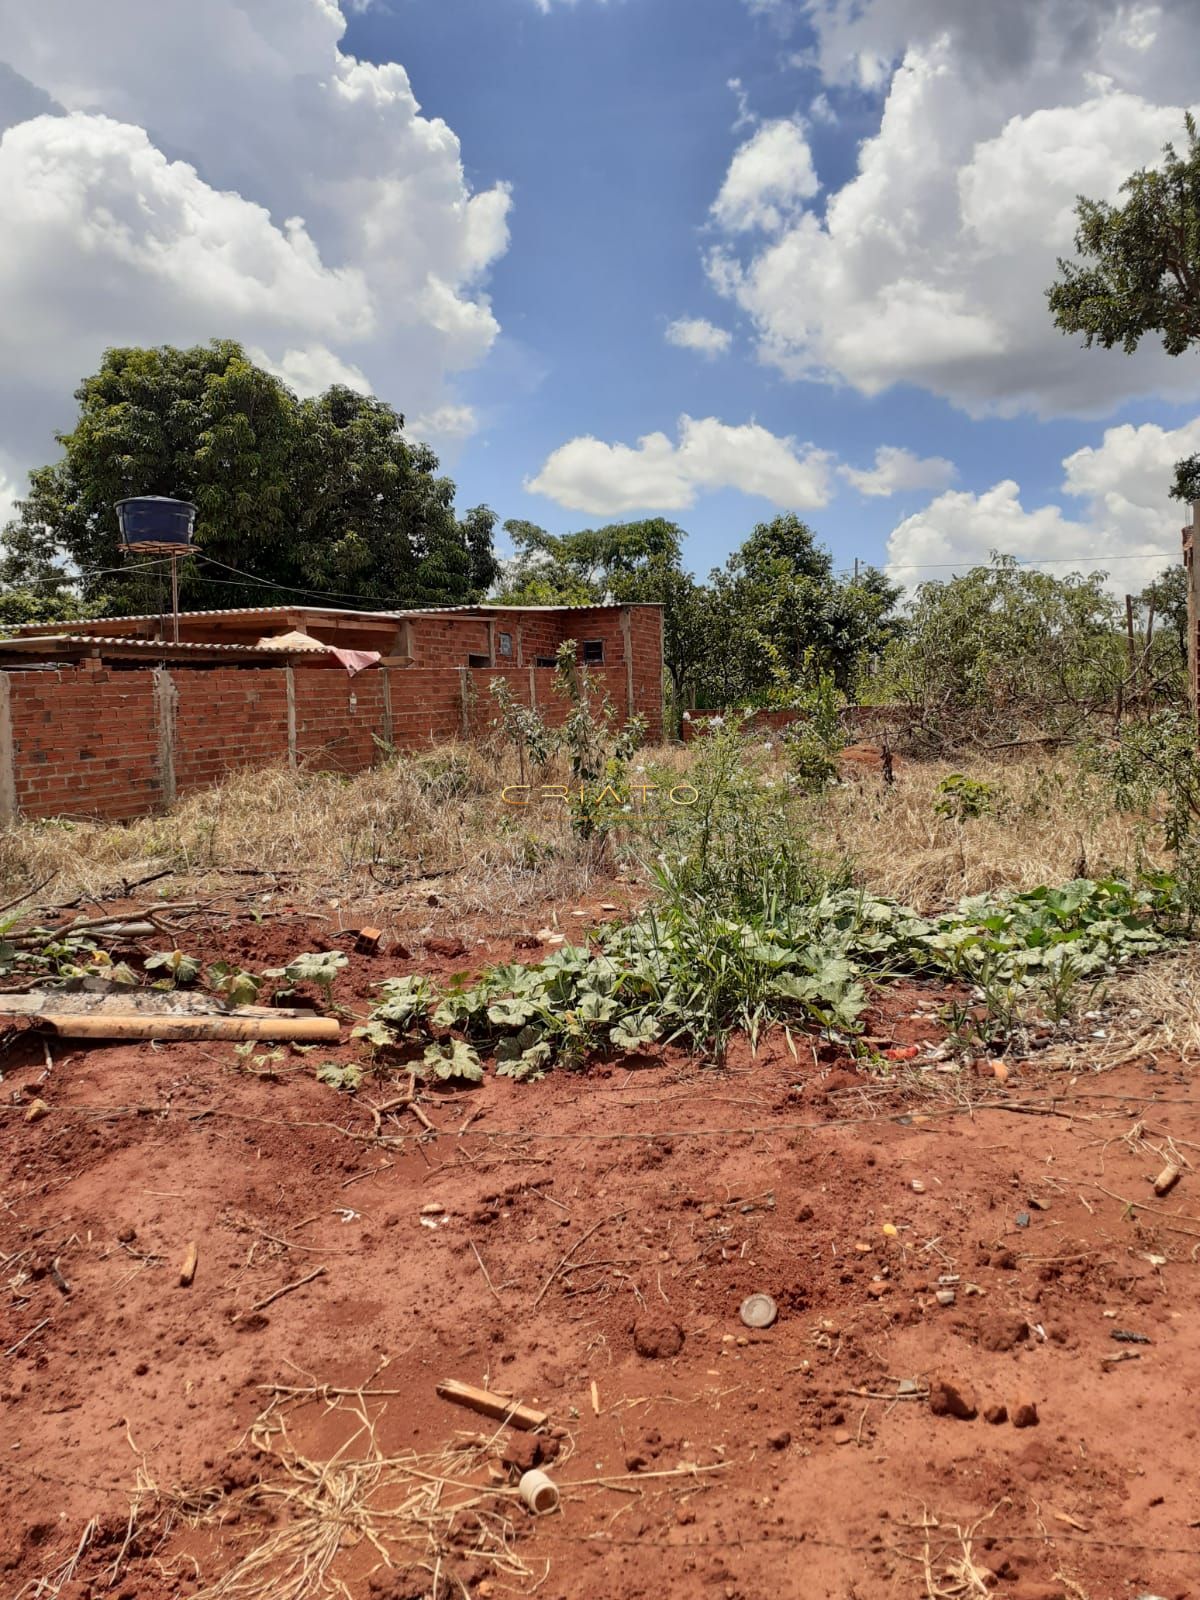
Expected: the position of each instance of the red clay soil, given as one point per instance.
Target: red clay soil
(584, 1245)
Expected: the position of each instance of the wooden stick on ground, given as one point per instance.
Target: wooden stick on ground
(218, 1025)
(267, 1300)
(188, 1270)
(491, 1405)
(582, 1239)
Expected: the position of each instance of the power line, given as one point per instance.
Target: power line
(1000, 566)
(287, 588)
(70, 578)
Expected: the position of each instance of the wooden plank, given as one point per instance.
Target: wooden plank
(491, 1405)
(148, 1025)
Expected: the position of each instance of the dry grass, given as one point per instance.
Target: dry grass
(436, 821)
(1051, 825)
(414, 1511)
(415, 819)
(1151, 1013)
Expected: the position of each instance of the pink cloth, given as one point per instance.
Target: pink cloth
(354, 660)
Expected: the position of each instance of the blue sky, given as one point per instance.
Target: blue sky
(492, 212)
(614, 124)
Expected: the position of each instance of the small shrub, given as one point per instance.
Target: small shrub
(961, 798)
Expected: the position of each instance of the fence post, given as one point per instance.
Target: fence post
(388, 738)
(166, 699)
(464, 696)
(9, 810)
(290, 680)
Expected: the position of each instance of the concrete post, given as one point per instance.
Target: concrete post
(627, 639)
(166, 698)
(9, 810)
(290, 679)
(387, 706)
(464, 698)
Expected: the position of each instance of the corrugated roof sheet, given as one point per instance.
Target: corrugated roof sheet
(399, 615)
(32, 642)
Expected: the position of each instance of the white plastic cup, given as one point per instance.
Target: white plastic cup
(539, 1492)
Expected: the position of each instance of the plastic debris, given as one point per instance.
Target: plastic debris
(758, 1311)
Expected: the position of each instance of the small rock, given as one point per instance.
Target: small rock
(1003, 1331)
(877, 1288)
(450, 948)
(945, 1297)
(917, 1186)
(1022, 1219)
(842, 1436)
(950, 1398)
(635, 1461)
(1024, 1414)
(126, 1235)
(780, 1440)
(523, 1451)
(433, 1209)
(995, 1414)
(37, 1110)
(657, 1338)
(684, 1516)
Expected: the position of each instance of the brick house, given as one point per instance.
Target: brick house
(112, 717)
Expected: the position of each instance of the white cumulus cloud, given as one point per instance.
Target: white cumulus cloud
(696, 333)
(588, 475)
(770, 175)
(174, 173)
(929, 265)
(1125, 514)
(897, 469)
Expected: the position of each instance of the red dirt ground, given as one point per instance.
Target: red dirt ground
(673, 1190)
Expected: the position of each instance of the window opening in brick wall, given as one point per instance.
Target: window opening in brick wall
(593, 650)
(478, 661)
(506, 644)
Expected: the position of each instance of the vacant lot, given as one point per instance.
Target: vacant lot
(973, 1384)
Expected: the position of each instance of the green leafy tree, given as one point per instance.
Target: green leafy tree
(325, 495)
(19, 606)
(1003, 646)
(625, 562)
(1140, 272)
(783, 615)
(588, 566)
(1167, 599)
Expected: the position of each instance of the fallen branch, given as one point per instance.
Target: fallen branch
(583, 1238)
(270, 1299)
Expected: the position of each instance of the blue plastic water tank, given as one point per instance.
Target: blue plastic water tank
(155, 519)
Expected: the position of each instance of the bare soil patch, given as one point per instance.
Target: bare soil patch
(583, 1245)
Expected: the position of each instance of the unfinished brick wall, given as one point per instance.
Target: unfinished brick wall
(72, 734)
(224, 718)
(121, 742)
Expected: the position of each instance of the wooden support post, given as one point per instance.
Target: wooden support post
(464, 697)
